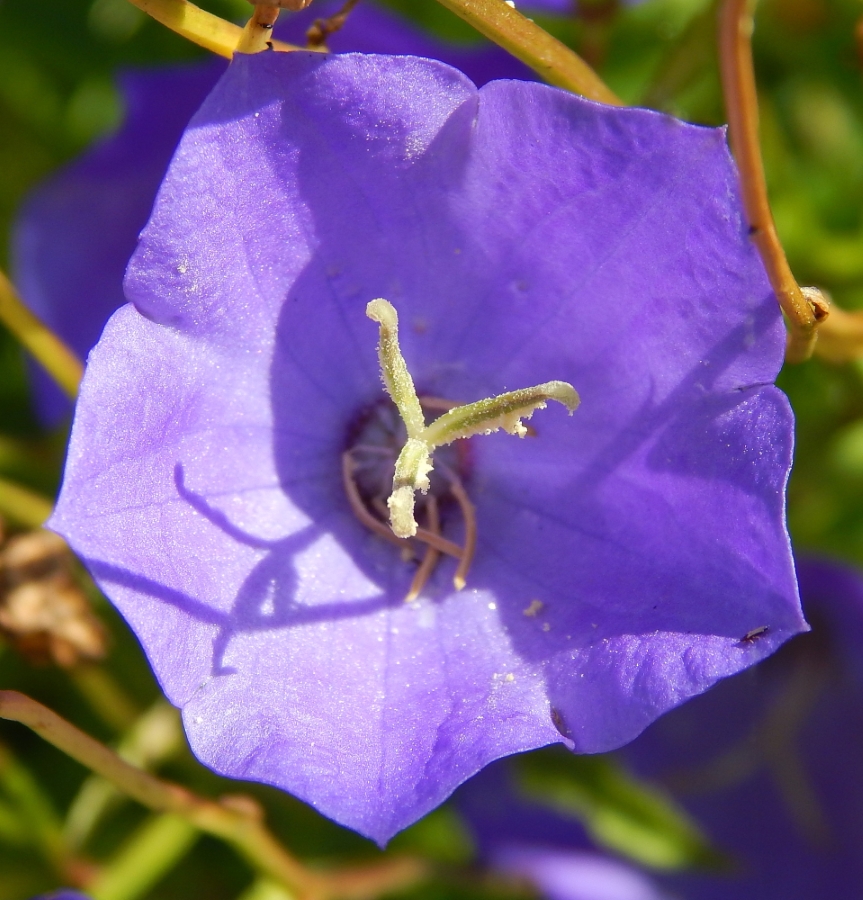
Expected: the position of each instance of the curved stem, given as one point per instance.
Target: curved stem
(741, 100)
(50, 352)
(198, 26)
(534, 46)
(840, 338)
(258, 32)
(237, 822)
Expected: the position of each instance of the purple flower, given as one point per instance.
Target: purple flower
(63, 894)
(577, 874)
(524, 235)
(372, 29)
(520, 838)
(77, 230)
(770, 761)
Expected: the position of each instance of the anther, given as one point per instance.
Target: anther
(359, 508)
(429, 561)
(414, 462)
(437, 541)
(468, 512)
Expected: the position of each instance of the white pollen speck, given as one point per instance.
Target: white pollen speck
(510, 677)
(257, 114)
(492, 606)
(198, 720)
(183, 267)
(546, 626)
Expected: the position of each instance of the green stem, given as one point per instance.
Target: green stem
(154, 737)
(23, 505)
(534, 46)
(233, 822)
(36, 815)
(265, 890)
(105, 696)
(152, 851)
(198, 26)
(51, 353)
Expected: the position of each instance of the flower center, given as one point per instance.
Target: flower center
(378, 437)
(375, 440)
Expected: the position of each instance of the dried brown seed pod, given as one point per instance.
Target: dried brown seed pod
(44, 612)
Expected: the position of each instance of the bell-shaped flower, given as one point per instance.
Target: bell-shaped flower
(233, 447)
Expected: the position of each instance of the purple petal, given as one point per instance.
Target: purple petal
(63, 894)
(523, 234)
(77, 230)
(577, 875)
(769, 762)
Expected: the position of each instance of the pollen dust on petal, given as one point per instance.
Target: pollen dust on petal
(535, 608)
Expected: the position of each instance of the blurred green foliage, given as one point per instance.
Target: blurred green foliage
(57, 96)
(635, 819)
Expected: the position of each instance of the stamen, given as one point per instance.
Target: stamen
(414, 462)
(429, 561)
(437, 541)
(359, 508)
(468, 512)
(317, 35)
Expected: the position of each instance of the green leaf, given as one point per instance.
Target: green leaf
(624, 814)
(441, 836)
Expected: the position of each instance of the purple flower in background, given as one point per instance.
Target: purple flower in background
(521, 838)
(548, 6)
(371, 29)
(770, 761)
(63, 895)
(523, 234)
(77, 230)
(577, 874)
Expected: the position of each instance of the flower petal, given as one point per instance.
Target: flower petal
(523, 234)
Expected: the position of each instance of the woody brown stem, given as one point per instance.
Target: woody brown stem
(257, 35)
(741, 101)
(317, 35)
(237, 822)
